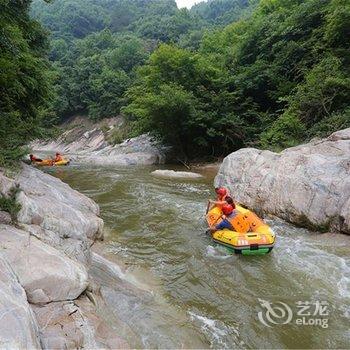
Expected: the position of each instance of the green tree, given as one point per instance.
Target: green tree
(275, 76)
(91, 37)
(180, 96)
(24, 79)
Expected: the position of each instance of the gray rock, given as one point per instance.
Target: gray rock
(18, 327)
(128, 159)
(75, 249)
(52, 216)
(89, 146)
(308, 185)
(50, 203)
(5, 183)
(55, 213)
(176, 174)
(5, 218)
(75, 325)
(45, 273)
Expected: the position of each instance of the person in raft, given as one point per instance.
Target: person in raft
(34, 159)
(222, 198)
(58, 157)
(229, 212)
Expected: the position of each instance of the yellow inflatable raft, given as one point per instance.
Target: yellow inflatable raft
(50, 162)
(251, 236)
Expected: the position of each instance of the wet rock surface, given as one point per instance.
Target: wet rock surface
(45, 273)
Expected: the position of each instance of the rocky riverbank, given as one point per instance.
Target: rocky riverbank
(49, 297)
(102, 144)
(308, 185)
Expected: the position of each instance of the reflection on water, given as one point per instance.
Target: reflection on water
(207, 297)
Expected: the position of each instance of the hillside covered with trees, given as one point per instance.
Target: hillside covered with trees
(273, 80)
(96, 45)
(224, 74)
(25, 79)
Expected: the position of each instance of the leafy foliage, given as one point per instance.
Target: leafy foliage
(9, 203)
(97, 45)
(181, 90)
(223, 11)
(275, 76)
(24, 79)
(281, 77)
(94, 73)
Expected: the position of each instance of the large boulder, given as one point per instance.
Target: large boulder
(308, 185)
(54, 212)
(45, 273)
(51, 204)
(18, 327)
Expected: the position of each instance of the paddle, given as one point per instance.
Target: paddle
(208, 206)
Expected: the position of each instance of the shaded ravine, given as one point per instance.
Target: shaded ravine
(204, 296)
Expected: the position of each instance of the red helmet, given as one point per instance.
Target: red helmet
(221, 191)
(227, 209)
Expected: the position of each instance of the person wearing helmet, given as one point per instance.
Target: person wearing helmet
(222, 198)
(229, 213)
(221, 193)
(58, 157)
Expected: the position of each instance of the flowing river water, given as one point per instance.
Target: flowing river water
(203, 296)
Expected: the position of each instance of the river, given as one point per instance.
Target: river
(205, 297)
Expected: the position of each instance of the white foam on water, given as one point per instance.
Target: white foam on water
(186, 187)
(344, 287)
(217, 332)
(114, 176)
(116, 248)
(217, 252)
(344, 282)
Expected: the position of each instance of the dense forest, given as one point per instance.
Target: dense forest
(96, 45)
(223, 75)
(25, 79)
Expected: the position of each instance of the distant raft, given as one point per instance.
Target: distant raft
(252, 236)
(50, 162)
